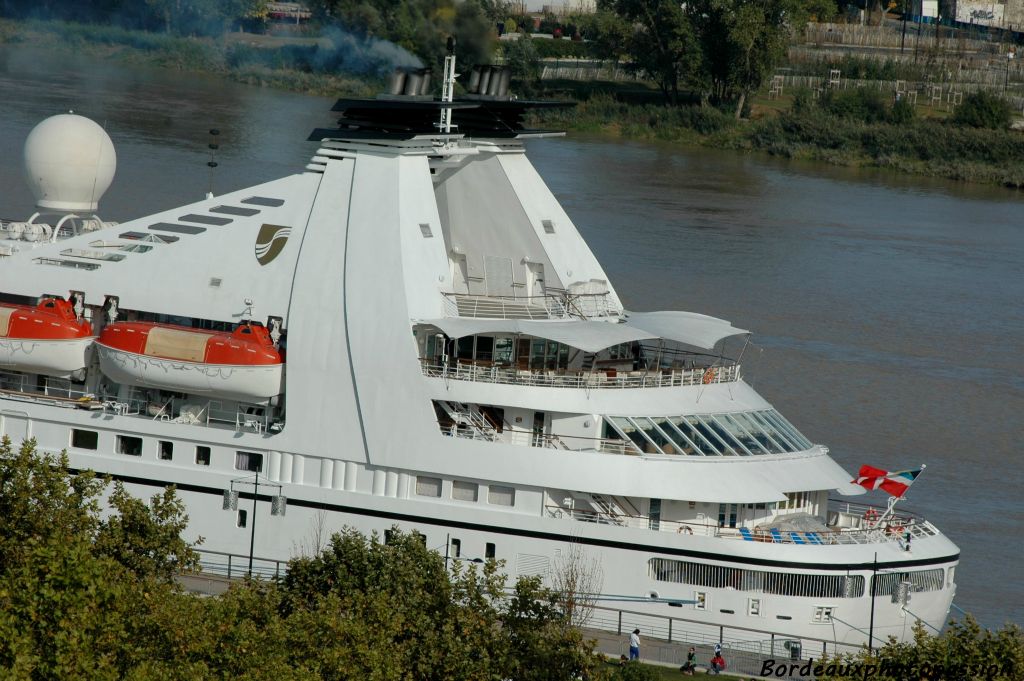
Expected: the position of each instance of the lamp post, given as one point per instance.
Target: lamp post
(1006, 80)
(278, 504)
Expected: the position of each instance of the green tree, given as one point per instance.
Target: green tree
(662, 44)
(522, 58)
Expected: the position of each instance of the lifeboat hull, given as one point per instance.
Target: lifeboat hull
(247, 383)
(49, 357)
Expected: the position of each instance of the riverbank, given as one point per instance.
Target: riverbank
(923, 146)
(928, 147)
(287, 64)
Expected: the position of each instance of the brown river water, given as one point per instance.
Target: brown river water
(888, 311)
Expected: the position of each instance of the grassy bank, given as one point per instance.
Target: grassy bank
(303, 66)
(928, 147)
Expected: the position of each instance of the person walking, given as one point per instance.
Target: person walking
(634, 645)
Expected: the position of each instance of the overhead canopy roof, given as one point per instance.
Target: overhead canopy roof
(691, 328)
(684, 327)
(585, 335)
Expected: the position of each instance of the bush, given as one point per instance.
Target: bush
(983, 110)
(902, 112)
(861, 104)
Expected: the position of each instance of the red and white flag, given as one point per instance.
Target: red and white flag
(893, 482)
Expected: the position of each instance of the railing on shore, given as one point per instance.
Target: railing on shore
(595, 378)
(235, 566)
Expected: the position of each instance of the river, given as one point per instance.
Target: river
(888, 311)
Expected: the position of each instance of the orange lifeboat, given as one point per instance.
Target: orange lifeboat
(46, 339)
(242, 364)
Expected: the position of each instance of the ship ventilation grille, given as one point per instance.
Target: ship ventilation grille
(528, 565)
(328, 152)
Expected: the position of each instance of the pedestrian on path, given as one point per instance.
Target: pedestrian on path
(634, 645)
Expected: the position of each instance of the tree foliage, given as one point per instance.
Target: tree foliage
(983, 109)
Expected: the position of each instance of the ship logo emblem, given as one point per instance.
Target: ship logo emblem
(270, 242)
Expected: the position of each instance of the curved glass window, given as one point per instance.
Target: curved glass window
(751, 433)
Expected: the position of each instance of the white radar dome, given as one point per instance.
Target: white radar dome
(69, 163)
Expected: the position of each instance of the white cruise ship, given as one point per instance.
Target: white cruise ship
(411, 331)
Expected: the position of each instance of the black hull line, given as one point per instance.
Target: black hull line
(551, 536)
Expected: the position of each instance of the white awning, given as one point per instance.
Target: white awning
(691, 328)
(585, 335)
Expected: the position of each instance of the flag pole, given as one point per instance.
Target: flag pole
(894, 500)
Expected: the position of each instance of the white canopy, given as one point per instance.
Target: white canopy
(585, 335)
(691, 328)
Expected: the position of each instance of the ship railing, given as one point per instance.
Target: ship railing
(554, 304)
(485, 372)
(527, 438)
(897, 532)
(634, 521)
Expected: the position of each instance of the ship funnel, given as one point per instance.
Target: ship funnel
(69, 163)
(406, 82)
(489, 82)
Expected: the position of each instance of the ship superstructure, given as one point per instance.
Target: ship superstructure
(412, 331)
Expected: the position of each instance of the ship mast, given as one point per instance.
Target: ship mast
(448, 87)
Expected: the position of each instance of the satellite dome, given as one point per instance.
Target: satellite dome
(69, 163)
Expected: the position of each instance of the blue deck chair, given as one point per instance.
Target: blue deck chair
(776, 535)
(815, 539)
(746, 534)
(797, 539)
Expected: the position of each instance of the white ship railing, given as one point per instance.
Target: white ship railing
(597, 378)
(526, 438)
(893, 530)
(556, 304)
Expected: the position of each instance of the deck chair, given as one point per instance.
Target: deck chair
(814, 538)
(776, 535)
(746, 534)
(797, 539)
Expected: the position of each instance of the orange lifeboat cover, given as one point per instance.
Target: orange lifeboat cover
(51, 319)
(247, 345)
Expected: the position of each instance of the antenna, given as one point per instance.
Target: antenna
(212, 163)
(448, 87)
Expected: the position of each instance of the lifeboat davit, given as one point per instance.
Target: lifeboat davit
(240, 365)
(46, 339)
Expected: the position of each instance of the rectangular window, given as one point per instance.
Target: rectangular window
(166, 450)
(490, 551)
(501, 496)
(701, 598)
(548, 225)
(425, 230)
(85, 439)
(389, 537)
(249, 461)
(754, 607)
(130, 445)
(428, 487)
(822, 614)
(203, 455)
(456, 548)
(242, 518)
(465, 491)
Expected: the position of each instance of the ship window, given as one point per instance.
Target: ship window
(203, 455)
(428, 487)
(700, 600)
(67, 263)
(456, 548)
(490, 550)
(425, 230)
(243, 517)
(179, 229)
(465, 491)
(235, 210)
(92, 254)
(754, 607)
(263, 201)
(822, 614)
(130, 445)
(501, 496)
(549, 227)
(166, 450)
(205, 219)
(249, 461)
(85, 439)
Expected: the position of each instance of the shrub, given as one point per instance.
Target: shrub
(902, 112)
(983, 110)
(861, 104)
